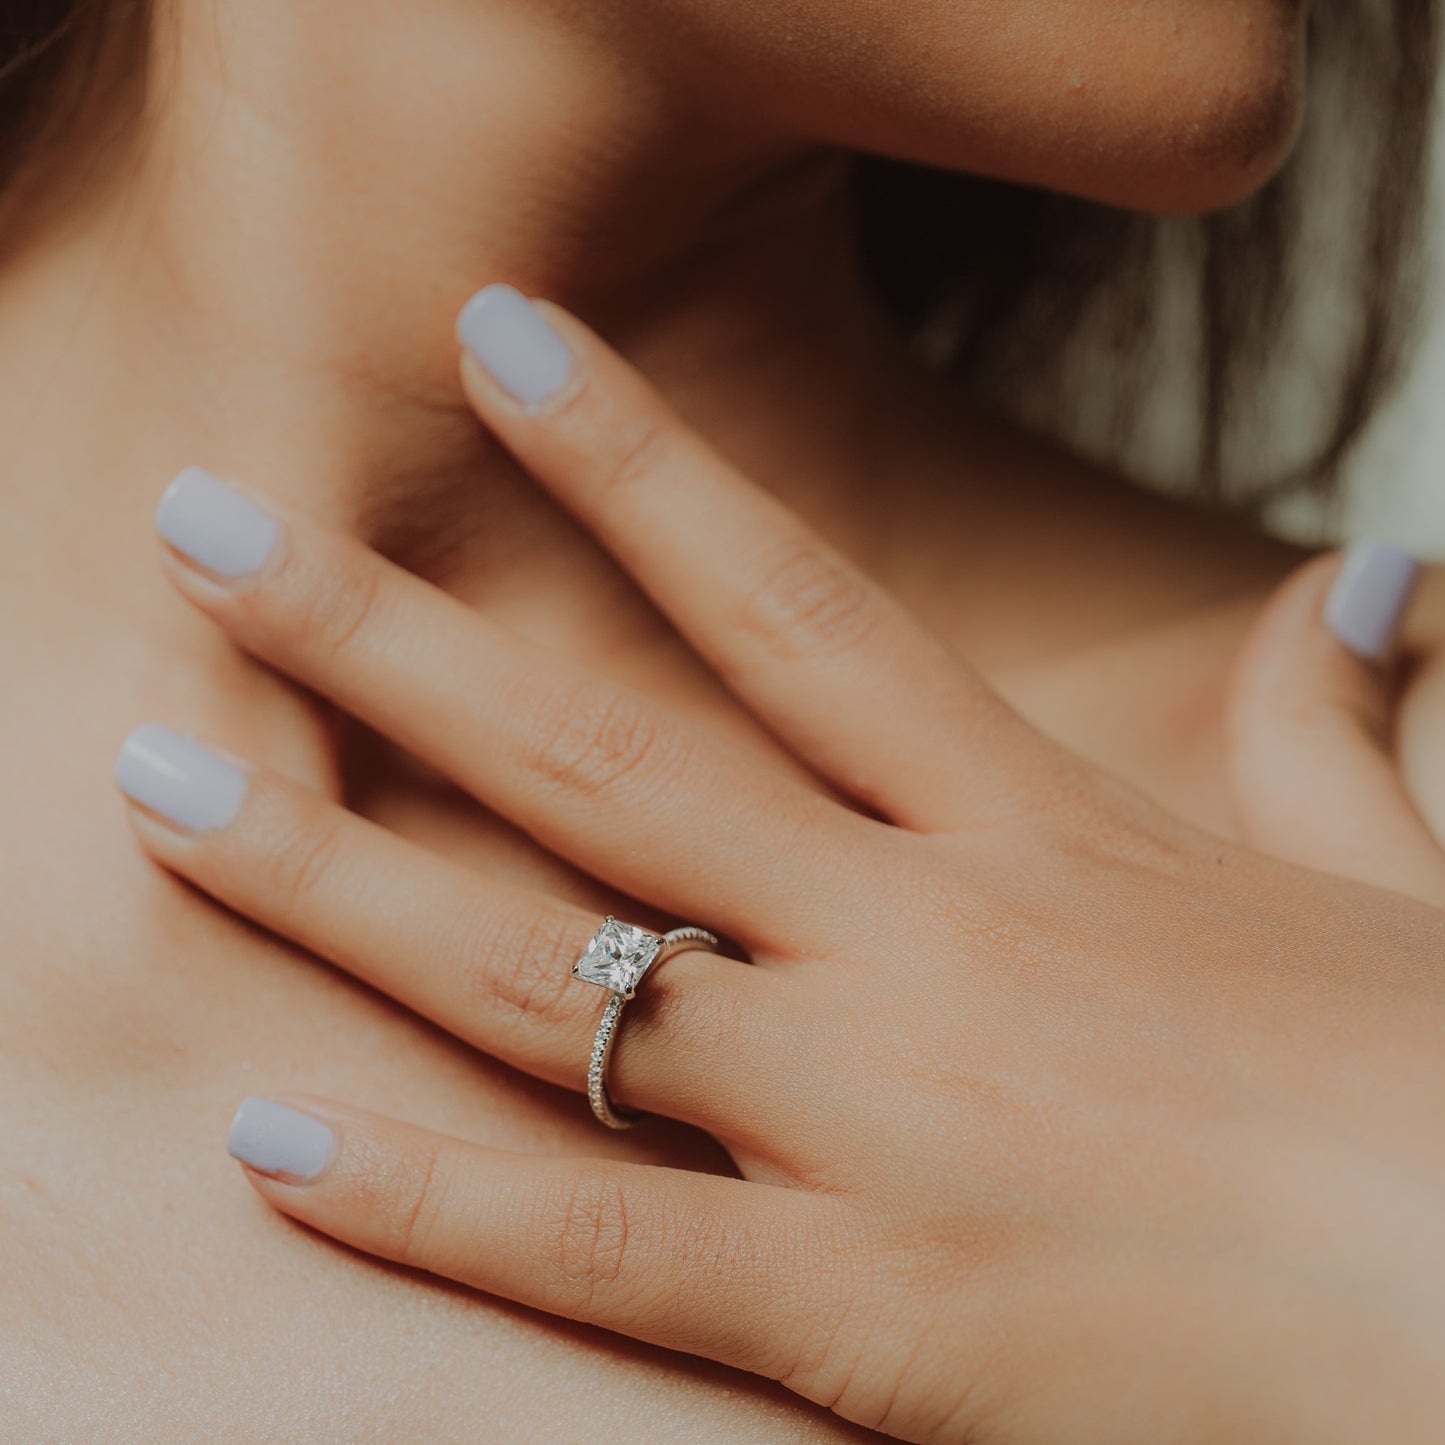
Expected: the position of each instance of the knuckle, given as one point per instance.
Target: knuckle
(1040, 795)
(806, 600)
(959, 901)
(637, 453)
(412, 1201)
(589, 1221)
(814, 1369)
(301, 857)
(1091, 815)
(599, 739)
(1069, 801)
(342, 608)
(518, 958)
(811, 1357)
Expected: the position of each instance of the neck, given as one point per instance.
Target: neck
(267, 282)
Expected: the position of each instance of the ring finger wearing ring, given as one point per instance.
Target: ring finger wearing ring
(618, 958)
(490, 962)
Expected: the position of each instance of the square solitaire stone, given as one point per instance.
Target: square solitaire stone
(617, 957)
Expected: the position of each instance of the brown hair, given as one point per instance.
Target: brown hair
(64, 67)
(1218, 315)
(1266, 335)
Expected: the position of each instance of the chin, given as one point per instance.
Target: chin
(1191, 111)
(1175, 106)
(1221, 126)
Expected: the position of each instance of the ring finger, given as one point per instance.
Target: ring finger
(489, 962)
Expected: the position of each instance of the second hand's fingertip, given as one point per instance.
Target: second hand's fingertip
(1368, 598)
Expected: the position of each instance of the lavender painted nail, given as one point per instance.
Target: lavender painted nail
(1369, 598)
(178, 779)
(512, 340)
(274, 1139)
(214, 526)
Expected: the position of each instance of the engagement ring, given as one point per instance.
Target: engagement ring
(618, 958)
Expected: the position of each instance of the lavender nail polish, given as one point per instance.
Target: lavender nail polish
(510, 337)
(178, 779)
(214, 526)
(1369, 598)
(275, 1139)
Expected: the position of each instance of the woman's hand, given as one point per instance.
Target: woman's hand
(1055, 1119)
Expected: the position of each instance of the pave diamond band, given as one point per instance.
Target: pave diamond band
(618, 958)
(597, 1096)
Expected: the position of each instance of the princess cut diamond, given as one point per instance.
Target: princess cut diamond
(617, 957)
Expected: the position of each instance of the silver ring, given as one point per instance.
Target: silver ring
(618, 958)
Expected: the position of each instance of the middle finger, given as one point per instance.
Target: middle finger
(597, 772)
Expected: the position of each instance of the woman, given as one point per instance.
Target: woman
(260, 268)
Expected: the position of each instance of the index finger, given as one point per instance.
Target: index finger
(835, 665)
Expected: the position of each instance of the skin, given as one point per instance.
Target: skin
(265, 280)
(862, 1259)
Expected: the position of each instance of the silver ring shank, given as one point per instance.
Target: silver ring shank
(677, 941)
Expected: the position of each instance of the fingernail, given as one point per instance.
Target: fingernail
(512, 340)
(274, 1139)
(175, 776)
(214, 526)
(1369, 598)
